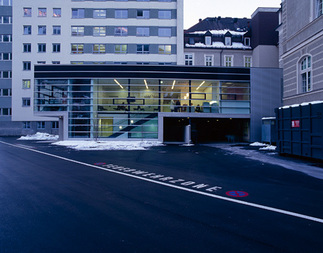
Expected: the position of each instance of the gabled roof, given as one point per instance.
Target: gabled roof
(232, 24)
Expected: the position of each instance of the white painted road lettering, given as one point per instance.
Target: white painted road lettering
(208, 193)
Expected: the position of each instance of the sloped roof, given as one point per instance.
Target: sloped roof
(219, 23)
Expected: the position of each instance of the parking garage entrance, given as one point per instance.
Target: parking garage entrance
(206, 130)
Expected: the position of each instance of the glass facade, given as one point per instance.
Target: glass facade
(128, 108)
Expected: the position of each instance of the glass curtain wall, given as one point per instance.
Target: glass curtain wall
(128, 108)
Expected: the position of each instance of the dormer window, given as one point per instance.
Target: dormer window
(191, 41)
(227, 41)
(208, 40)
(247, 42)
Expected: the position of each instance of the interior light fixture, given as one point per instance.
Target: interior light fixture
(173, 84)
(118, 83)
(200, 85)
(146, 84)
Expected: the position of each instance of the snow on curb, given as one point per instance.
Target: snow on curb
(39, 136)
(263, 146)
(109, 145)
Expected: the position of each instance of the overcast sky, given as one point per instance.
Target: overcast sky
(196, 9)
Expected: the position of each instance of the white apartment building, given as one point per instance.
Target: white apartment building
(89, 32)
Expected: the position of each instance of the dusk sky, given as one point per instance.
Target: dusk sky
(194, 10)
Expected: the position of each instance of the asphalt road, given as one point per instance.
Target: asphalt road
(166, 199)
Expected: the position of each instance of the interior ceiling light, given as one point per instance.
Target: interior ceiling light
(146, 84)
(200, 85)
(118, 83)
(173, 84)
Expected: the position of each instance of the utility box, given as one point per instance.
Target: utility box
(268, 130)
(300, 130)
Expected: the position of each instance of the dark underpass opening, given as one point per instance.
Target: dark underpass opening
(206, 130)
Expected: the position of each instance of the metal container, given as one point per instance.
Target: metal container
(300, 130)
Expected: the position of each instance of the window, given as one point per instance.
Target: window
(77, 30)
(98, 49)
(41, 48)
(142, 31)
(228, 60)
(25, 102)
(121, 31)
(306, 74)
(208, 60)
(56, 29)
(5, 112)
(42, 12)
(247, 61)
(319, 8)
(120, 49)
(26, 84)
(57, 12)
(55, 124)
(208, 40)
(7, 74)
(189, 59)
(77, 48)
(27, 47)
(143, 14)
(247, 42)
(99, 31)
(142, 49)
(27, 29)
(56, 47)
(26, 65)
(165, 14)
(121, 13)
(6, 56)
(27, 12)
(5, 20)
(5, 38)
(26, 124)
(164, 32)
(41, 62)
(227, 41)
(164, 49)
(5, 2)
(41, 30)
(78, 13)
(6, 93)
(56, 62)
(99, 13)
(41, 124)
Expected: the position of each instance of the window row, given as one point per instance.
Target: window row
(121, 0)
(122, 49)
(6, 74)
(42, 12)
(5, 20)
(102, 31)
(5, 93)
(42, 30)
(209, 60)
(40, 124)
(5, 56)
(5, 38)
(5, 112)
(99, 49)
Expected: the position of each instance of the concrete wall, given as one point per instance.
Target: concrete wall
(265, 97)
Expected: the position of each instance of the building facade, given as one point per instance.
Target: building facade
(157, 102)
(89, 32)
(301, 50)
(234, 42)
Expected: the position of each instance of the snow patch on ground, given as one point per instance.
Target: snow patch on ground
(40, 137)
(269, 158)
(263, 146)
(109, 145)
